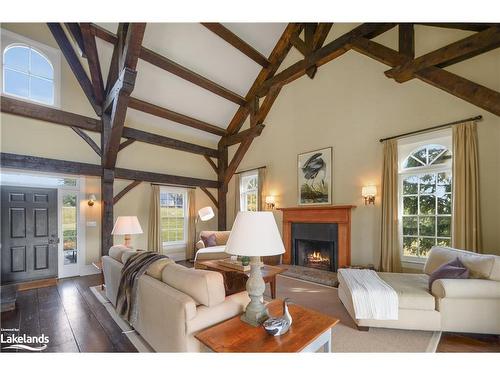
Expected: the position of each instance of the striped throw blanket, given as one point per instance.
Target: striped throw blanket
(132, 270)
(372, 297)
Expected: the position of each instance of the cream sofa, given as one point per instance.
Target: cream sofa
(212, 252)
(460, 305)
(173, 302)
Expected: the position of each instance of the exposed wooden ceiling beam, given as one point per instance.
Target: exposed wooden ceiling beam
(461, 26)
(88, 140)
(469, 91)
(175, 144)
(74, 63)
(93, 61)
(125, 190)
(237, 42)
(126, 143)
(473, 45)
(152, 109)
(321, 34)
(406, 39)
(211, 162)
(323, 55)
(176, 69)
(76, 34)
(251, 132)
(299, 44)
(35, 163)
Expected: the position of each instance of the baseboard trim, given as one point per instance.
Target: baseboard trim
(36, 284)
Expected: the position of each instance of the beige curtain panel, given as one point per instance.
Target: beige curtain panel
(261, 199)
(466, 232)
(191, 232)
(154, 233)
(390, 259)
(237, 207)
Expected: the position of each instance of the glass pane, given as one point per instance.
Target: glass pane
(16, 83)
(427, 205)
(410, 246)
(410, 226)
(427, 225)
(69, 228)
(412, 163)
(425, 246)
(443, 158)
(444, 226)
(444, 180)
(428, 184)
(434, 151)
(410, 185)
(42, 90)
(444, 242)
(40, 66)
(444, 204)
(17, 58)
(421, 155)
(410, 206)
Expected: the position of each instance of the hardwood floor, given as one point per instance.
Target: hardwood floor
(75, 321)
(70, 315)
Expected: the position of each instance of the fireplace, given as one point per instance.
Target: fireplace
(314, 245)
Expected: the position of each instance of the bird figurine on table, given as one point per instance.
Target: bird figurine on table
(277, 326)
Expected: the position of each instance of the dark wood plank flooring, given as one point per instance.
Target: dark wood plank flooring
(76, 321)
(70, 315)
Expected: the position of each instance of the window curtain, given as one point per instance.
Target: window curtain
(466, 233)
(237, 203)
(191, 229)
(390, 259)
(154, 233)
(261, 180)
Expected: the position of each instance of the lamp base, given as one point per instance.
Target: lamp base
(255, 319)
(256, 312)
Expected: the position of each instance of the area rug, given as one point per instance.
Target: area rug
(310, 274)
(345, 337)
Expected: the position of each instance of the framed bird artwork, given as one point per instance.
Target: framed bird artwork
(315, 177)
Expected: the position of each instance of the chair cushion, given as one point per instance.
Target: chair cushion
(212, 253)
(451, 270)
(480, 266)
(205, 287)
(412, 290)
(116, 252)
(155, 270)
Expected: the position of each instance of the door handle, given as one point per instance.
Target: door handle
(54, 240)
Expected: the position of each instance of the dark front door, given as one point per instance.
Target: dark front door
(29, 234)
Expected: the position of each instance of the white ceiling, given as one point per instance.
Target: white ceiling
(196, 48)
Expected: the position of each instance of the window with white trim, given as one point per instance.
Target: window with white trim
(249, 190)
(173, 215)
(425, 196)
(30, 70)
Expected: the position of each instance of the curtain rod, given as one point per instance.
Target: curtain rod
(177, 186)
(476, 118)
(251, 169)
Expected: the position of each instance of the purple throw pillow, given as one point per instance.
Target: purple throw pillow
(209, 240)
(451, 270)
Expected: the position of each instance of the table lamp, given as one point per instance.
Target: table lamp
(255, 234)
(127, 225)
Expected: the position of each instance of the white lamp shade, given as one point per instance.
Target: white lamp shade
(255, 234)
(369, 191)
(127, 225)
(206, 213)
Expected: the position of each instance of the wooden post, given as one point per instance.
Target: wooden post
(222, 190)
(107, 180)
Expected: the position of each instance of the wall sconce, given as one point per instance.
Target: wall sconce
(91, 200)
(369, 193)
(270, 202)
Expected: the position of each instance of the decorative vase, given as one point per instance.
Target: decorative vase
(245, 261)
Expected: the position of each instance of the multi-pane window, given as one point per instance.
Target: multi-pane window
(425, 200)
(249, 191)
(70, 227)
(173, 214)
(28, 74)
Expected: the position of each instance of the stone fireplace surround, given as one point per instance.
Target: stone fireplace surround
(338, 214)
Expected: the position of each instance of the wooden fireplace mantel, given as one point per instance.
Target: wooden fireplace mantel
(338, 214)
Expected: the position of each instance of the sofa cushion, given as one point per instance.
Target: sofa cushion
(116, 252)
(412, 290)
(205, 287)
(451, 270)
(221, 237)
(208, 240)
(480, 266)
(155, 270)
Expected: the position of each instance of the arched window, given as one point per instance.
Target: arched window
(28, 74)
(425, 193)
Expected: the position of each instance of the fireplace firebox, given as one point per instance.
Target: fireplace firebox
(314, 245)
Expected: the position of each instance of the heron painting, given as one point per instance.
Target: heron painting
(314, 177)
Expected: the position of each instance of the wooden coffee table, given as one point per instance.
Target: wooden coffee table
(310, 331)
(268, 272)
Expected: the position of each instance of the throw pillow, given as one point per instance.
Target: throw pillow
(209, 240)
(451, 270)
